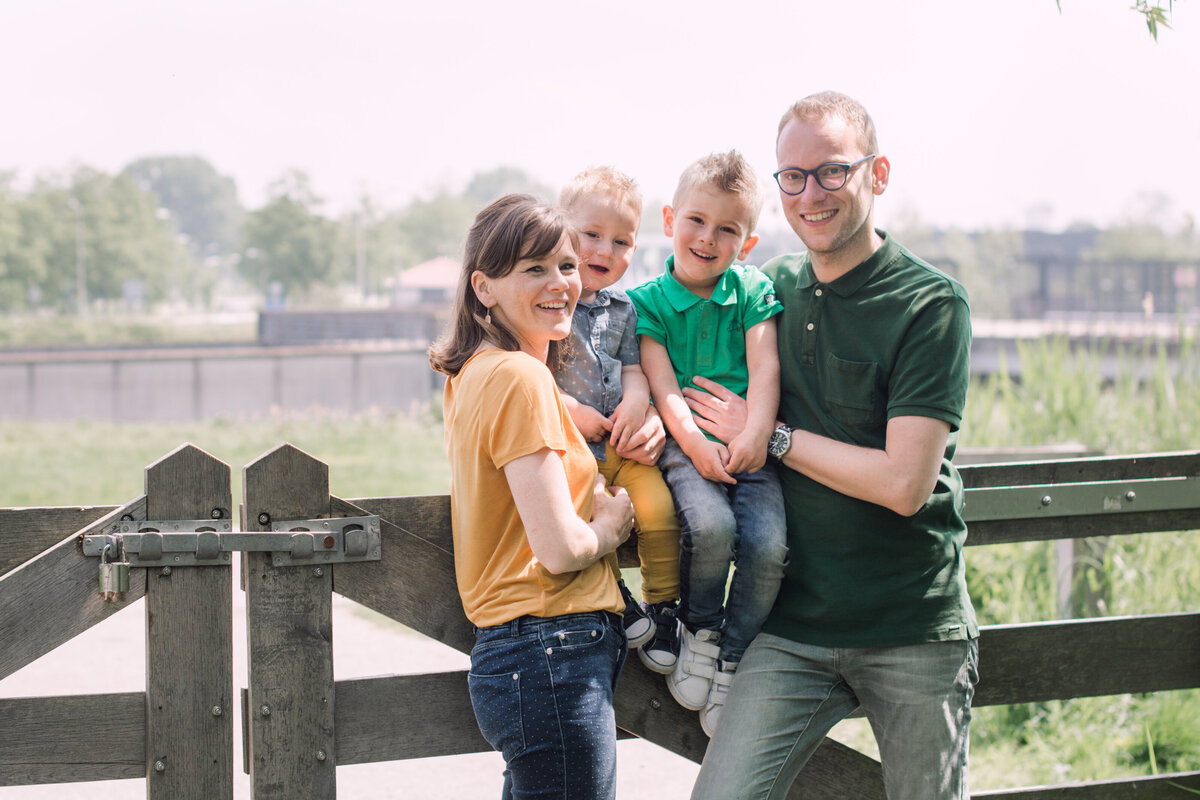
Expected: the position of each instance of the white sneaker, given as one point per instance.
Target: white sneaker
(691, 680)
(716, 697)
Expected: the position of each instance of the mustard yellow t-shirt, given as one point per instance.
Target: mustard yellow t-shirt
(501, 406)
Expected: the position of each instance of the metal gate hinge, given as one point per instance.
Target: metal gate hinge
(206, 542)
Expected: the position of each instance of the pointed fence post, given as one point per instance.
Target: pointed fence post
(189, 641)
(289, 625)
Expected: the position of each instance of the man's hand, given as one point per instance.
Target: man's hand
(716, 410)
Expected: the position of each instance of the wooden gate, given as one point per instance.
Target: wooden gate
(299, 724)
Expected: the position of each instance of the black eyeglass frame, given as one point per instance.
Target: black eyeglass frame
(815, 173)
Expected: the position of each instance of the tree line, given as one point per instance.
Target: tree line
(164, 229)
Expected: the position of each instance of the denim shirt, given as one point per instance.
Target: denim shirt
(603, 340)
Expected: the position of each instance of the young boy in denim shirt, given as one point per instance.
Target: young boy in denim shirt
(707, 317)
(608, 398)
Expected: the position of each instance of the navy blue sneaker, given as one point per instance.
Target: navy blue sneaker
(660, 654)
(639, 628)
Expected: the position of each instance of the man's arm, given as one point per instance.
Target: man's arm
(899, 477)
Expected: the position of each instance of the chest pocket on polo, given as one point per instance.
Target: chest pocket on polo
(851, 393)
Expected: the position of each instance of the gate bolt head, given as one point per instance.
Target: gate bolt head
(160, 766)
(321, 755)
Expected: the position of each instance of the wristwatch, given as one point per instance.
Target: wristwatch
(780, 441)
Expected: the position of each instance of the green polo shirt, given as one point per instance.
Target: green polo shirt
(706, 337)
(890, 338)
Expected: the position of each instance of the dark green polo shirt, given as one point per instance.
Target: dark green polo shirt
(890, 338)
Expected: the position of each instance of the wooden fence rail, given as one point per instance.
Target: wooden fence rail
(299, 723)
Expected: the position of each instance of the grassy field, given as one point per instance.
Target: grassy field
(1060, 399)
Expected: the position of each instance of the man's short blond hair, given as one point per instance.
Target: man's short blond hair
(822, 105)
(724, 172)
(606, 181)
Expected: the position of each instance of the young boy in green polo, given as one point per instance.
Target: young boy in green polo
(705, 316)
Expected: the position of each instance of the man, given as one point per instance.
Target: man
(874, 611)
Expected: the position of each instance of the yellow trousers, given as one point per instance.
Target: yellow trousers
(655, 521)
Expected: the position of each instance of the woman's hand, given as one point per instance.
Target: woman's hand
(612, 513)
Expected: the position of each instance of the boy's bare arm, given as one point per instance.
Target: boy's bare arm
(707, 456)
(630, 414)
(748, 450)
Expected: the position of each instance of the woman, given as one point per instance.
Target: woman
(531, 521)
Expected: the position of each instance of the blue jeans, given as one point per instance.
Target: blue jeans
(542, 691)
(723, 525)
(786, 696)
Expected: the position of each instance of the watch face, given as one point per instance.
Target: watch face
(777, 445)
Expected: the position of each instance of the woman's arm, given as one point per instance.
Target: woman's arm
(559, 538)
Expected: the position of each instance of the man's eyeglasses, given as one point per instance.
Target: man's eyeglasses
(830, 176)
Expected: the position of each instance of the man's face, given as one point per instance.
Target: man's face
(837, 227)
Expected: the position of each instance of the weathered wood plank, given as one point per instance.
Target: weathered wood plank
(1159, 787)
(428, 517)
(405, 716)
(289, 623)
(413, 570)
(70, 739)
(25, 532)
(1076, 470)
(1085, 658)
(54, 597)
(189, 641)
(1001, 531)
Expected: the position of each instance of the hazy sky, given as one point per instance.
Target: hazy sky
(992, 113)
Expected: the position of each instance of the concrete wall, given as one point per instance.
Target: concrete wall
(241, 383)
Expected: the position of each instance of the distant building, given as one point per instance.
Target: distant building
(432, 282)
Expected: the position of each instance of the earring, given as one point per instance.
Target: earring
(487, 318)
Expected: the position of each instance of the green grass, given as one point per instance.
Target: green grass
(101, 463)
(116, 329)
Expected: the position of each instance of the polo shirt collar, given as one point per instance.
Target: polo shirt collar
(858, 277)
(681, 299)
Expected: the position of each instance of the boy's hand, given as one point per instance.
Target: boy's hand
(591, 423)
(746, 454)
(646, 444)
(627, 419)
(709, 458)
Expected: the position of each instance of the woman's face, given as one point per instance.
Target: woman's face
(536, 299)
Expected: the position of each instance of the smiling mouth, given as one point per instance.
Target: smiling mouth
(598, 268)
(556, 305)
(820, 216)
(701, 256)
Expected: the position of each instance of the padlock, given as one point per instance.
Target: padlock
(114, 577)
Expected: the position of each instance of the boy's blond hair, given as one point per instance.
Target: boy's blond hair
(725, 172)
(602, 180)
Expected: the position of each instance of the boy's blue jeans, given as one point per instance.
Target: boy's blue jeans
(724, 525)
(542, 691)
(787, 695)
